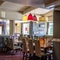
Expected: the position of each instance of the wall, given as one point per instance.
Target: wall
(56, 34)
(56, 24)
(18, 28)
(3, 23)
(49, 15)
(12, 15)
(11, 27)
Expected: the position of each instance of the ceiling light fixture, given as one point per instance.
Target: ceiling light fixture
(42, 18)
(30, 17)
(25, 18)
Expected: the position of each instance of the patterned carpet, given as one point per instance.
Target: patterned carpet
(10, 58)
(17, 56)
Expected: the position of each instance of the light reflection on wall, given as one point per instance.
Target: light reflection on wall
(17, 26)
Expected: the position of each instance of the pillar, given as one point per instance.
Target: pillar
(56, 34)
(31, 29)
(11, 27)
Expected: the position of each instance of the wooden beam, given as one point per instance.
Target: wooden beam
(46, 2)
(1, 2)
(20, 12)
(28, 9)
(51, 3)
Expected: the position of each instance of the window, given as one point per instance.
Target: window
(6, 24)
(7, 27)
(50, 28)
(39, 29)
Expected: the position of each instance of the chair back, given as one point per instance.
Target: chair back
(31, 51)
(3, 42)
(7, 41)
(24, 45)
(37, 48)
(11, 44)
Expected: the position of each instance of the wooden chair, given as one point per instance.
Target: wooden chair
(20, 39)
(31, 50)
(11, 47)
(37, 49)
(3, 45)
(11, 44)
(8, 45)
(8, 42)
(3, 42)
(39, 55)
(24, 48)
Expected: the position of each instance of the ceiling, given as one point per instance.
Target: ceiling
(37, 3)
(25, 6)
(39, 11)
(9, 6)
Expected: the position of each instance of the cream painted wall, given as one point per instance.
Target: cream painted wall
(49, 13)
(49, 16)
(11, 27)
(18, 28)
(11, 15)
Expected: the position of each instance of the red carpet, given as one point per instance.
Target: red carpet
(10, 57)
(17, 56)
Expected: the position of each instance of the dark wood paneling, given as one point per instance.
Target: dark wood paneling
(49, 1)
(56, 34)
(56, 51)
(1, 2)
(56, 24)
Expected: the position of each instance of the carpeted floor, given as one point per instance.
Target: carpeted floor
(17, 56)
(10, 57)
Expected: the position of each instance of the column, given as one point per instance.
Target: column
(31, 29)
(56, 34)
(11, 27)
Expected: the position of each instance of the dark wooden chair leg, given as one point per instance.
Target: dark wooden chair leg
(23, 55)
(26, 57)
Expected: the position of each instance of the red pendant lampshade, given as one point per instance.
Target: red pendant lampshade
(30, 17)
(34, 18)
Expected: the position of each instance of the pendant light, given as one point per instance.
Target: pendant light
(25, 17)
(42, 18)
(34, 17)
(30, 17)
